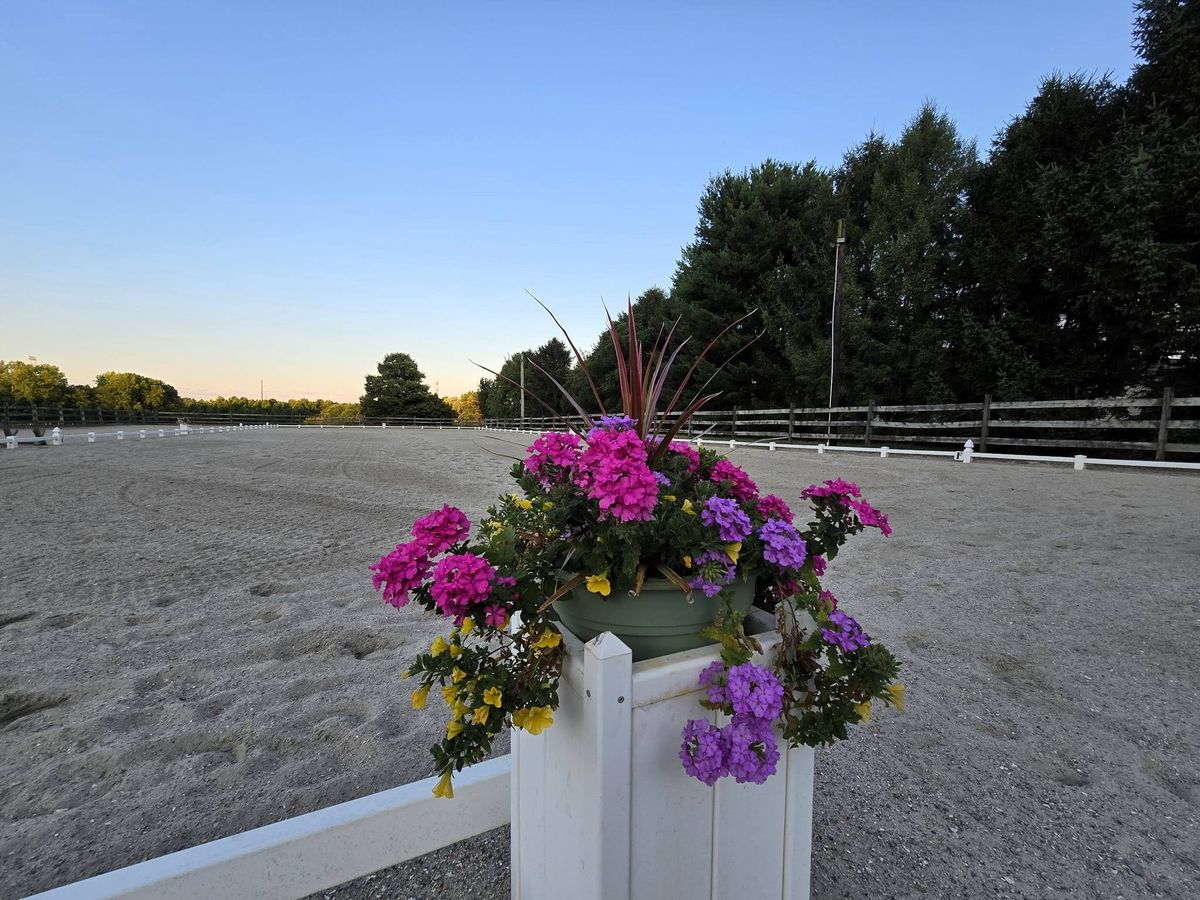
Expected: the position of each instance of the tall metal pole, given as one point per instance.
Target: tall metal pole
(522, 387)
(835, 321)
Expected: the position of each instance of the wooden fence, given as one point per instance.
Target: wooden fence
(1159, 426)
(24, 414)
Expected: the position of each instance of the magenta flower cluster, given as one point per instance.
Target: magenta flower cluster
(746, 747)
(441, 529)
(613, 472)
(401, 571)
(869, 516)
(741, 485)
(836, 487)
(459, 581)
(731, 521)
(559, 449)
(773, 507)
(848, 635)
(686, 450)
(782, 544)
(407, 567)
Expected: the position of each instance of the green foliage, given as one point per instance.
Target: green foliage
(335, 414)
(128, 390)
(39, 383)
(399, 389)
(500, 398)
(466, 407)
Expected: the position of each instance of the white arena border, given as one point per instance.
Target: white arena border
(965, 455)
(58, 438)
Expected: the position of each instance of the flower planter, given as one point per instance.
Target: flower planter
(601, 807)
(657, 622)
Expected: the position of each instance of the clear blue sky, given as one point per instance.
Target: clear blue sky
(217, 192)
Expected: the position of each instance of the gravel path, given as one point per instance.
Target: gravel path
(190, 647)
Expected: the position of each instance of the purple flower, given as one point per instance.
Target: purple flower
(703, 751)
(733, 523)
(713, 680)
(662, 479)
(751, 750)
(612, 423)
(782, 544)
(442, 528)
(754, 691)
(849, 635)
(713, 570)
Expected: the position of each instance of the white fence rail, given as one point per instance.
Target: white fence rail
(58, 438)
(313, 852)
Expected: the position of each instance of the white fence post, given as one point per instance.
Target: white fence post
(820, 448)
(883, 452)
(120, 435)
(56, 437)
(91, 437)
(1080, 463)
(968, 450)
(162, 433)
(771, 446)
(142, 434)
(10, 442)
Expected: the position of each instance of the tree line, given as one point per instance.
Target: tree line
(1065, 264)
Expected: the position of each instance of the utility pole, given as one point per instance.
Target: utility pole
(522, 387)
(838, 273)
(260, 389)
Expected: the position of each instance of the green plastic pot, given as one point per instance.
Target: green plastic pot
(657, 622)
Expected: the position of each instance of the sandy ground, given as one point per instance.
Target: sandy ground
(190, 647)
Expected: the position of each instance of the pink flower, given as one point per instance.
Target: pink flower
(835, 488)
(869, 516)
(613, 472)
(495, 615)
(818, 563)
(686, 450)
(402, 570)
(559, 449)
(773, 507)
(741, 485)
(441, 529)
(460, 581)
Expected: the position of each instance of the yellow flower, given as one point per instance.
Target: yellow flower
(547, 505)
(460, 709)
(493, 696)
(405, 674)
(449, 694)
(439, 646)
(481, 714)
(687, 561)
(897, 693)
(418, 697)
(687, 507)
(457, 675)
(668, 498)
(455, 650)
(598, 584)
(444, 787)
(863, 710)
(495, 526)
(550, 638)
(467, 626)
(523, 503)
(453, 729)
(534, 720)
(732, 551)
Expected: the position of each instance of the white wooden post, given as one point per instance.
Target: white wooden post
(120, 435)
(91, 437)
(820, 448)
(601, 806)
(732, 444)
(10, 442)
(162, 433)
(883, 451)
(1080, 463)
(771, 446)
(56, 437)
(968, 450)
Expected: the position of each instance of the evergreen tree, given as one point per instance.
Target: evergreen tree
(399, 389)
